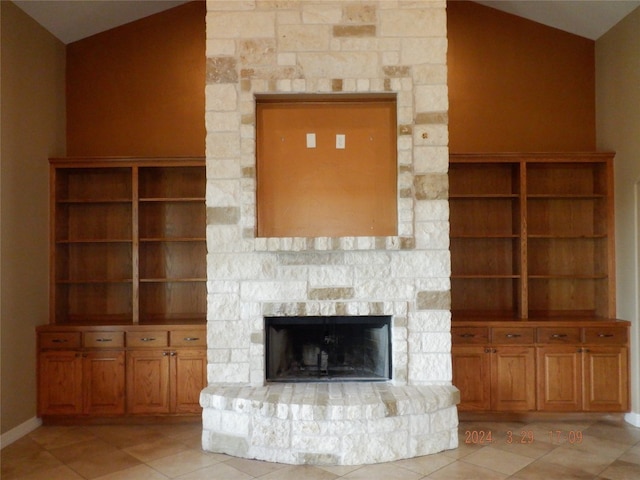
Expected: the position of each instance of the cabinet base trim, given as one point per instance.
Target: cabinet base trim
(121, 419)
(536, 416)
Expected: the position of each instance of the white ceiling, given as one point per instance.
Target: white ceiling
(73, 20)
(586, 18)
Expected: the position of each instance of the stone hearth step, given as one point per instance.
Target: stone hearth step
(347, 423)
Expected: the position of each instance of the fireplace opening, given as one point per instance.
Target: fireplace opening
(328, 348)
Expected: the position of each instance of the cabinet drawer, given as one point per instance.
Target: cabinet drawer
(558, 335)
(605, 335)
(469, 335)
(514, 335)
(157, 338)
(187, 338)
(59, 340)
(103, 339)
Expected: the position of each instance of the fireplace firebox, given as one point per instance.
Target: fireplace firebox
(328, 348)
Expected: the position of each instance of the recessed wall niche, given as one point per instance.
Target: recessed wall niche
(326, 165)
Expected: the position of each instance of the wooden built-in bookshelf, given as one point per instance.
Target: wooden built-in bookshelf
(532, 235)
(127, 330)
(128, 241)
(533, 284)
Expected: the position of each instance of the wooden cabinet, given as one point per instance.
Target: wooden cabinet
(126, 333)
(472, 376)
(560, 373)
(167, 380)
(495, 376)
(593, 379)
(472, 367)
(532, 263)
(532, 235)
(513, 378)
(148, 381)
(74, 380)
(60, 383)
(189, 377)
(90, 371)
(591, 375)
(605, 379)
(127, 241)
(569, 367)
(103, 379)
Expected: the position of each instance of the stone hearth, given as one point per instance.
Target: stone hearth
(331, 423)
(390, 47)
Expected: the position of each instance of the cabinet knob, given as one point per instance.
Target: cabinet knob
(104, 339)
(513, 335)
(191, 339)
(467, 335)
(59, 340)
(165, 354)
(147, 339)
(559, 335)
(605, 335)
(173, 354)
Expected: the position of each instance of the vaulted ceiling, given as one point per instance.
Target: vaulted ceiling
(73, 20)
(586, 18)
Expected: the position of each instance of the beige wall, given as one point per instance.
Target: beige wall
(618, 124)
(32, 129)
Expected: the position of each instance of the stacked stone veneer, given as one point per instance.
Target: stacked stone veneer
(258, 47)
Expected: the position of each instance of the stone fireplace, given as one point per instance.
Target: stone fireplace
(262, 47)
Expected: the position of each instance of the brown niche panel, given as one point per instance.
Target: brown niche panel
(313, 183)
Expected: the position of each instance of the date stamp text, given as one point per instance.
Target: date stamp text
(523, 437)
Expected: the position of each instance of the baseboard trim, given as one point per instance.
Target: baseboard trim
(633, 418)
(20, 431)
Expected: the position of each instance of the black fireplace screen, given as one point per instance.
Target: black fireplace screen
(331, 348)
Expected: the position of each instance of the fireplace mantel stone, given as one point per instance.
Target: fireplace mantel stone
(345, 47)
(330, 423)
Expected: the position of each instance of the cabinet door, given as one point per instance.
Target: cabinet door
(148, 381)
(513, 380)
(104, 381)
(605, 379)
(60, 383)
(471, 375)
(559, 378)
(189, 377)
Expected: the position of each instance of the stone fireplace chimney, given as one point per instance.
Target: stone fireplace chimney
(259, 47)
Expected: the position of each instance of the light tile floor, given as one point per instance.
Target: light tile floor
(604, 449)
